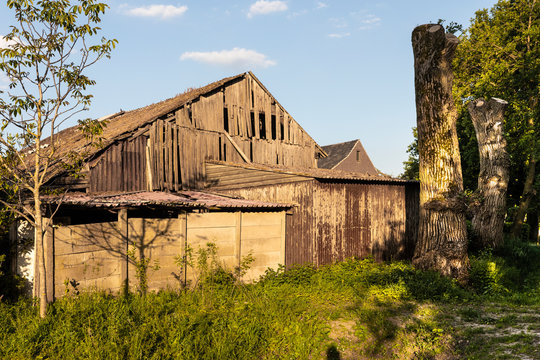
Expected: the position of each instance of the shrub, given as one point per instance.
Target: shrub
(485, 275)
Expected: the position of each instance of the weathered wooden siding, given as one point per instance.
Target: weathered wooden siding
(122, 167)
(337, 220)
(230, 177)
(95, 255)
(239, 123)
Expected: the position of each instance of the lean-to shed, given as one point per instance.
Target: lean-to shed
(96, 240)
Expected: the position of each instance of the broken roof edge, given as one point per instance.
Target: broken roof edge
(319, 147)
(314, 173)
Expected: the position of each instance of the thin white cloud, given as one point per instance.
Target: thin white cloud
(366, 21)
(321, 5)
(4, 43)
(371, 19)
(237, 57)
(339, 35)
(339, 23)
(156, 10)
(4, 81)
(263, 7)
(296, 14)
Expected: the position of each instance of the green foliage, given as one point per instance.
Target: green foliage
(49, 49)
(384, 310)
(485, 275)
(511, 271)
(411, 167)
(142, 265)
(498, 56)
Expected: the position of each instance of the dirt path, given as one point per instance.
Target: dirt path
(496, 331)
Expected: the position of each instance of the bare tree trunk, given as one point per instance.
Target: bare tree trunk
(40, 253)
(442, 233)
(528, 194)
(488, 218)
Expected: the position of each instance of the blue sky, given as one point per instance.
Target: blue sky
(342, 69)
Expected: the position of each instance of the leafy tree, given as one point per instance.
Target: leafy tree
(411, 167)
(499, 56)
(50, 47)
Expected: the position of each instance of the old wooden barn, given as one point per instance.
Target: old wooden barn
(230, 142)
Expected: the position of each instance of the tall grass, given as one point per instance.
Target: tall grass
(353, 309)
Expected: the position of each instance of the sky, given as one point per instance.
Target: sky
(343, 69)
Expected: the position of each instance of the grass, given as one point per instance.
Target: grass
(357, 309)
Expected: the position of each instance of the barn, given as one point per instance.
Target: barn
(225, 163)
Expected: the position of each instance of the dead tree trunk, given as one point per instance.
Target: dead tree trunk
(488, 218)
(442, 233)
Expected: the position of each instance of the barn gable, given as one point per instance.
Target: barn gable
(164, 146)
(348, 156)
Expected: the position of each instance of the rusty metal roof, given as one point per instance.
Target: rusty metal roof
(183, 199)
(314, 173)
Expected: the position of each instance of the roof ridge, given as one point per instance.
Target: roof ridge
(349, 153)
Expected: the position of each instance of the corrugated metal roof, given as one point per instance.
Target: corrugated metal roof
(184, 199)
(316, 173)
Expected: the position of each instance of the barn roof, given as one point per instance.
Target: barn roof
(183, 199)
(124, 123)
(313, 173)
(338, 152)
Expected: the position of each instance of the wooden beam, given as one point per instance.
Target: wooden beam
(123, 231)
(244, 157)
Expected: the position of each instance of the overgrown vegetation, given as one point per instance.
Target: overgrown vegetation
(350, 310)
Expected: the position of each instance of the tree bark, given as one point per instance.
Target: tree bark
(488, 218)
(40, 257)
(442, 233)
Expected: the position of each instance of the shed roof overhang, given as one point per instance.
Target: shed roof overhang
(147, 199)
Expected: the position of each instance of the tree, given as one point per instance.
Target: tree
(411, 166)
(499, 56)
(442, 233)
(488, 218)
(49, 51)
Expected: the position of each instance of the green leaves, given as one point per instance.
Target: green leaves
(499, 56)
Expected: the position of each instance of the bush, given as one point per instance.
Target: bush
(296, 275)
(485, 274)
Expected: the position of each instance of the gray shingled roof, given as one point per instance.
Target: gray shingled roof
(336, 153)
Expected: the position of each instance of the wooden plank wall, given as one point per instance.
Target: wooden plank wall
(122, 167)
(169, 154)
(94, 255)
(231, 177)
